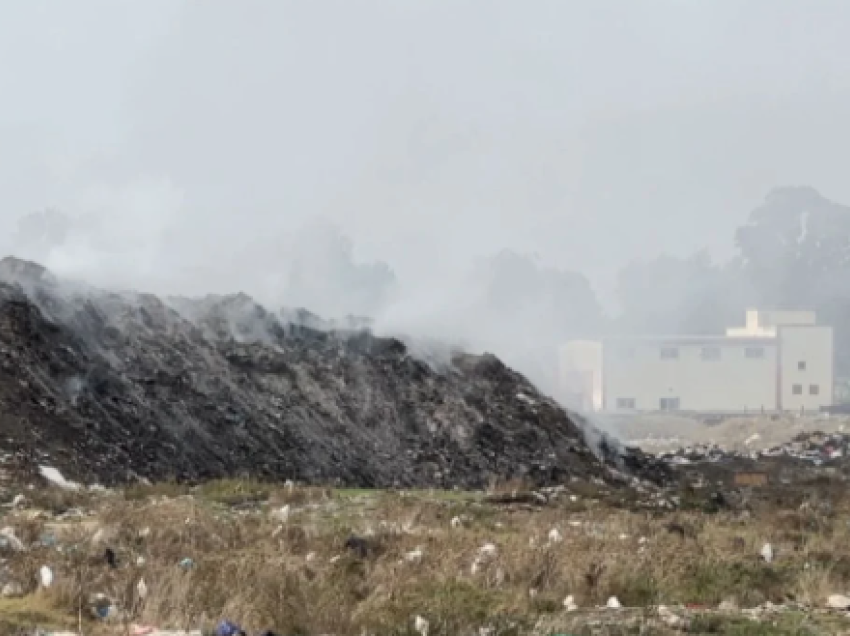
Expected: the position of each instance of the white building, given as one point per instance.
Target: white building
(779, 361)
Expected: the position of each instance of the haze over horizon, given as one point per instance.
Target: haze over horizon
(194, 142)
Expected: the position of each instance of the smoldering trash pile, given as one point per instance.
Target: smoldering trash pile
(113, 388)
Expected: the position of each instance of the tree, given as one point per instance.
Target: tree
(671, 295)
(524, 311)
(795, 252)
(324, 276)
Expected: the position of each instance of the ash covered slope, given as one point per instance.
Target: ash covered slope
(115, 387)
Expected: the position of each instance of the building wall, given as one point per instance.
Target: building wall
(733, 382)
(806, 361)
(580, 368)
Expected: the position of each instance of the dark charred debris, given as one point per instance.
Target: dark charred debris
(118, 387)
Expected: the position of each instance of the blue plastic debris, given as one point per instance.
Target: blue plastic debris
(187, 563)
(226, 628)
(48, 540)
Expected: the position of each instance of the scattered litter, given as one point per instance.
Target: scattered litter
(767, 552)
(226, 628)
(281, 514)
(486, 553)
(613, 603)
(671, 619)
(55, 478)
(814, 447)
(523, 397)
(414, 556)
(570, 604)
(45, 576)
(11, 590)
(102, 607)
(421, 626)
(48, 540)
(186, 563)
(142, 589)
(555, 536)
(488, 550)
(838, 601)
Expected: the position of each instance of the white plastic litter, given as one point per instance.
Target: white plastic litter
(282, 514)
(12, 590)
(414, 556)
(55, 477)
(486, 553)
(421, 626)
(45, 576)
(838, 601)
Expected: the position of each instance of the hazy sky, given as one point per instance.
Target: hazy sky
(198, 135)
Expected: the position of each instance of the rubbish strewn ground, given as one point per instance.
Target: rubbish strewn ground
(658, 433)
(313, 561)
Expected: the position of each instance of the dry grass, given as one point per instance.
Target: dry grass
(298, 578)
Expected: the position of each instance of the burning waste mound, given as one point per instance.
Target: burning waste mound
(115, 387)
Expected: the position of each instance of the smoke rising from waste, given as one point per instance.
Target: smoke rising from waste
(478, 173)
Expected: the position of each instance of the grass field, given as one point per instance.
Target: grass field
(291, 572)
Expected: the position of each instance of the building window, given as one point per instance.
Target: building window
(711, 353)
(625, 403)
(797, 389)
(669, 353)
(801, 366)
(754, 352)
(814, 389)
(669, 404)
